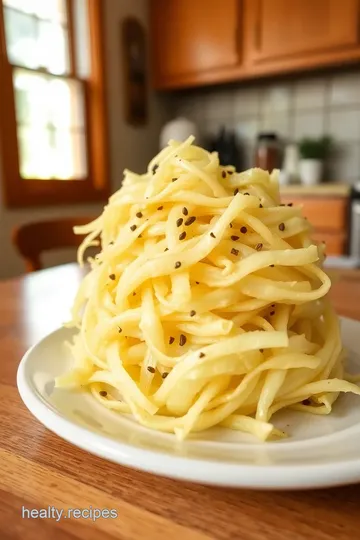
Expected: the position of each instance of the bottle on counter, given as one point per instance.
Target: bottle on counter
(267, 154)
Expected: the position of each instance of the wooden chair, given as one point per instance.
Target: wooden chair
(32, 239)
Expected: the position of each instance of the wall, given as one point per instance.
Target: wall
(129, 147)
(307, 106)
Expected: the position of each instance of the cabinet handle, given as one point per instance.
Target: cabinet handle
(257, 30)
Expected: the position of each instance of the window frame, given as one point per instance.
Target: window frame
(19, 192)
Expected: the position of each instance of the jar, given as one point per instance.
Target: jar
(267, 154)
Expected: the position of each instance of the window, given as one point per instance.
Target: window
(52, 102)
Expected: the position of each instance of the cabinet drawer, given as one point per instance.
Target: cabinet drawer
(329, 213)
(335, 242)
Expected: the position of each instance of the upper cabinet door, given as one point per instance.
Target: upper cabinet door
(192, 36)
(284, 28)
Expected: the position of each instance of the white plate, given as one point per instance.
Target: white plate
(321, 450)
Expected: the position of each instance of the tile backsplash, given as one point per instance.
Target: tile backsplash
(308, 106)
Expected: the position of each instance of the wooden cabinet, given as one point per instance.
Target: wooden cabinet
(190, 37)
(288, 29)
(329, 217)
(197, 42)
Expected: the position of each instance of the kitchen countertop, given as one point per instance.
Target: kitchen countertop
(324, 189)
(38, 469)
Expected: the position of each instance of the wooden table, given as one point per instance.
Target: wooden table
(38, 469)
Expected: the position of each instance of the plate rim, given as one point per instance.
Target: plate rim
(202, 471)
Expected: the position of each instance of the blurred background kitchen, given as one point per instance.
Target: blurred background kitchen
(90, 87)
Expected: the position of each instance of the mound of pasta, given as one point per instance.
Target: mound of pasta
(206, 304)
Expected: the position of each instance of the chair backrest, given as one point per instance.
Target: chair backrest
(32, 239)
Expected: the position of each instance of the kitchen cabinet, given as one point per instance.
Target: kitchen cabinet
(329, 217)
(199, 42)
(191, 37)
(283, 29)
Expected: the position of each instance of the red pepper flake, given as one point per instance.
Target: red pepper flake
(139, 214)
(190, 220)
(235, 251)
(192, 313)
(151, 369)
(171, 340)
(282, 227)
(133, 227)
(112, 276)
(182, 236)
(177, 264)
(179, 222)
(103, 393)
(243, 230)
(259, 247)
(182, 340)
(185, 211)
(233, 237)
(212, 235)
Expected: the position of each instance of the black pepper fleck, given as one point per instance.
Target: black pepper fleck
(182, 340)
(246, 193)
(166, 249)
(192, 313)
(261, 350)
(290, 204)
(133, 227)
(306, 402)
(272, 265)
(235, 251)
(185, 211)
(272, 313)
(112, 276)
(151, 369)
(197, 282)
(139, 214)
(171, 340)
(182, 236)
(177, 264)
(155, 168)
(160, 207)
(103, 393)
(230, 225)
(201, 355)
(243, 230)
(261, 206)
(174, 179)
(212, 235)
(236, 191)
(233, 237)
(190, 220)
(179, 222)
(282, 227)
(230, 172)
(164, 375)
(259, 247)
(119, 330)
(223, 174)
